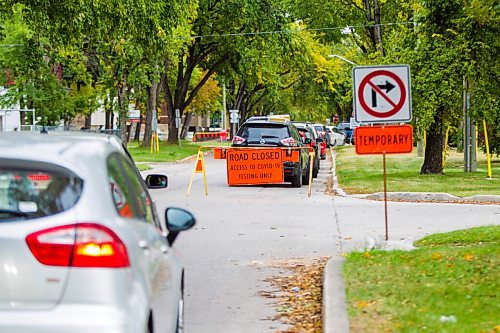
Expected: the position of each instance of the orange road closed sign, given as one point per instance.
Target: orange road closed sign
(383, 139)
(254, 166)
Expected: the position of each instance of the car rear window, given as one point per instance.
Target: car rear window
(268, 132)
(32, 193)
(306, 132)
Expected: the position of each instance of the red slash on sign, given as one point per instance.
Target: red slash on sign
(384, 139)
(395, 103)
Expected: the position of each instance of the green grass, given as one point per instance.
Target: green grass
(143, 167)
(168, 152)
(364, 174)
(453, 274)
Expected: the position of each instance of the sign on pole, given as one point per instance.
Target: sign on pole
(384, 139)
(234, 116)
(382, 94)
(134, 115)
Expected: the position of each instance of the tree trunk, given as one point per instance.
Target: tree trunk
(368, 8)
(22, 114)
(108, 109)
(378, 28)
(150, 109)
(123, 108)
(137, 135)
(185, 125)
(433, 160)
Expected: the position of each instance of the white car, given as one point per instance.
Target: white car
(337, 137)
(81, 246)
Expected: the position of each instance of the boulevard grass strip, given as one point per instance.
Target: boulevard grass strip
(449, 284)
(362, 174)
(168, 152)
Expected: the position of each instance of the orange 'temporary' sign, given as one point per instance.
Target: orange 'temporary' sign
(254, 166)
(383, 139)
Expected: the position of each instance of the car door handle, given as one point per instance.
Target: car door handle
(143, 244)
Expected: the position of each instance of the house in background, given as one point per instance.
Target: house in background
(10, 118)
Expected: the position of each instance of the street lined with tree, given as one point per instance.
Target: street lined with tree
(66, 59)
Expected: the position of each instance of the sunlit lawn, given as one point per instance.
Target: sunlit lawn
(364, 174)
(449, 284)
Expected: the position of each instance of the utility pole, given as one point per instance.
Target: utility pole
(470, 155)
(223, 113)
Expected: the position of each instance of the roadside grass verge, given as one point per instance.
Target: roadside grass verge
(450, 283)
(364, 174)
(168, 152)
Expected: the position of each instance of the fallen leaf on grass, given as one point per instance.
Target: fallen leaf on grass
(436, 256)
(468, 257)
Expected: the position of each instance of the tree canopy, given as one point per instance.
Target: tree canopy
(67, 58)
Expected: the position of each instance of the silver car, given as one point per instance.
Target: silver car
(81, 246)
(337, 137)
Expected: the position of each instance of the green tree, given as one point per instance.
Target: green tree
(25, 61)
(446, 45)
(223, 30)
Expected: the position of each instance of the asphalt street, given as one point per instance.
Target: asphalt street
(244, 233)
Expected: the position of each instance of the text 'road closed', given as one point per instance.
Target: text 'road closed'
(384, 139)
(254, 166)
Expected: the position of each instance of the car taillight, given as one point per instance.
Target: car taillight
(238, 140)
(78, 245)
(289, 142)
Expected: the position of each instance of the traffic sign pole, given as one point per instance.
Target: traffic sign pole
(385, 201)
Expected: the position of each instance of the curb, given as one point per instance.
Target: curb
(335, 319)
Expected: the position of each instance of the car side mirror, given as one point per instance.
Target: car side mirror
(177, 220)
(156, 181)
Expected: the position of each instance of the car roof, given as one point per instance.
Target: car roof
(269, 119)
(302, 125)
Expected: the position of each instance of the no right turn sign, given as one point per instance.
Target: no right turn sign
(382, 94)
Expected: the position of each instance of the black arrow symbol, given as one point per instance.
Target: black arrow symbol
(387, 86)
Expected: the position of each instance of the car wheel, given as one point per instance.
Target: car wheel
(305, 176)
(297, 180)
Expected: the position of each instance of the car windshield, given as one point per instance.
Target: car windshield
(26, 194)
(269, 132)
